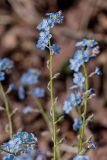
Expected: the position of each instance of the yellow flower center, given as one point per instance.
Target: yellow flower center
(26, 136)
(55, 17)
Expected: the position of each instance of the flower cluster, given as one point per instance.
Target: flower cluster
(29, 78)
(81, 56)
(22, 142)
(5, 66)
(45, 35)
(86, 49)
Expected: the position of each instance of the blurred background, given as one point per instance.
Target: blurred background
(18, 36)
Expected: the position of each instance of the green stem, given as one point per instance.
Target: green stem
(85, 108)
(7, 110)
(46, 119)
(44, 115)
(52, 103)
(58, 152)
(79, 142)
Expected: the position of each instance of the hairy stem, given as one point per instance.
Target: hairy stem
(7, 110)
(85, 108)
(52, 104)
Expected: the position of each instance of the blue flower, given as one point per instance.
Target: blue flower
(26, 137)
(6, 64)
(74, 65)
(28, 109)
(25, 157)
(21, 142)
(67, 107)
(21, 93)
(87, 43)
(38, 92)
(45, 24)
(43, 40)
(10, 157)
(30, 77)
(79, 79)
(77, 124)
(12, 86)
(75, 99)
(56, 17)
(98, 71)
(81, 157)
(55, 49)
(2, 76)
(85, 50)
(90, 46)
(81, 56)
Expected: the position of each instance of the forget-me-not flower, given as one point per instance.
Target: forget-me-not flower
(77, 124)
(81, 157)
(6, 64)
(74, 65)
(55, 49)
(86, 43)
(79, 79)
(30, 77)
(45, 35)
(56, 17)
(67, 107)
(28, 109)
(2, 76)
(43, 40)
(21, 93)
(75, 99)
(21, 142)
(38, 92)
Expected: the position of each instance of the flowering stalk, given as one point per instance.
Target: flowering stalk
(86, 49)
(7, 110)
(44, 42)
(85, 107)
(52, 102)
